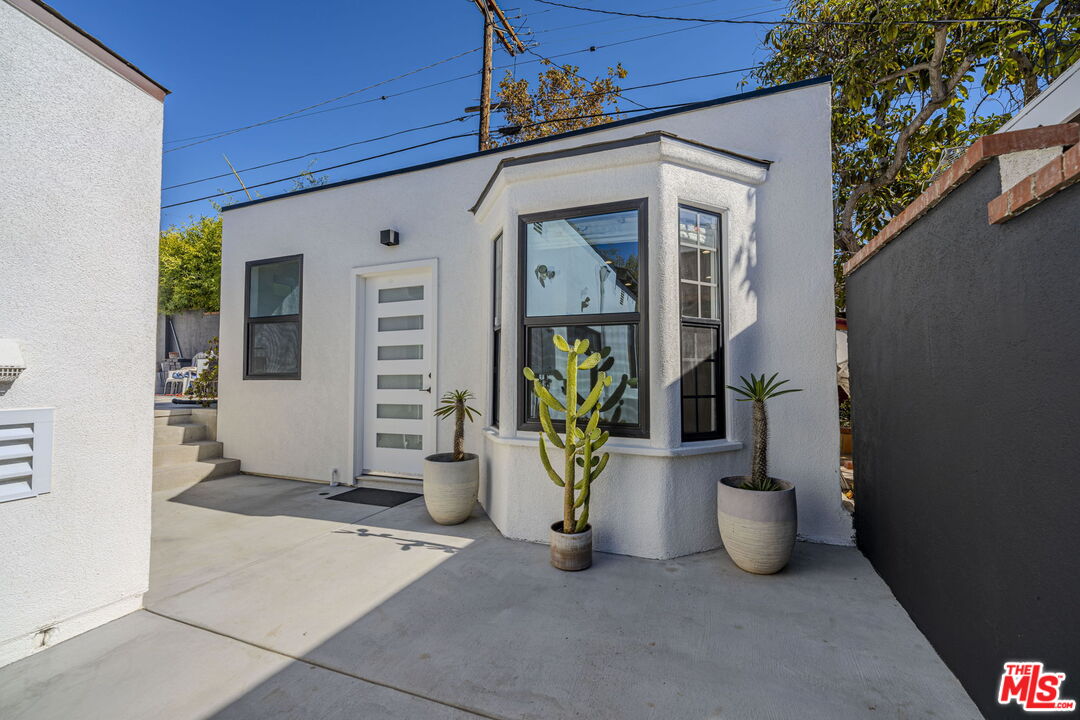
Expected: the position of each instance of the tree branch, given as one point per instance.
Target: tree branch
(901, 73)
(941, 91)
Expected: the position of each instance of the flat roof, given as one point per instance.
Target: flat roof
(51, 19)
(689, 107)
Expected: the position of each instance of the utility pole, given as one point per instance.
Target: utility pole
(513, 45)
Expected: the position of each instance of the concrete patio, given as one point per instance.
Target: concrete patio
(268, 601)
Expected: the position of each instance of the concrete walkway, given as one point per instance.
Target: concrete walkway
(269, 601)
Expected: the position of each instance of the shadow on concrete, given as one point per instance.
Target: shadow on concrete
(482, 626)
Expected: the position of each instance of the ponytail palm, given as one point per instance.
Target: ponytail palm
(757, 390)
(455, 402)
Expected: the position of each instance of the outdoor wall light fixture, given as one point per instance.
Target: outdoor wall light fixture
(389, 238)
(11, 361)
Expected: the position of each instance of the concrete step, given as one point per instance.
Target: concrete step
(379, 482)
(186, 452)
(176, 434)
(183, 475)
(172, 417)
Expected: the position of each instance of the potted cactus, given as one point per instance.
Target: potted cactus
(757, 513)
(451, 480)
(571, 537)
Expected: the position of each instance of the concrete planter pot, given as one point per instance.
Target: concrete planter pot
(450, 487)
(758, 528)
(570, 551)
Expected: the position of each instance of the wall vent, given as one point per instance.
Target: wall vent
(25, 452)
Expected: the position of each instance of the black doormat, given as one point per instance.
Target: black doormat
(375, 496)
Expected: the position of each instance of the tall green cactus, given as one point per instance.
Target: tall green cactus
(578, 445)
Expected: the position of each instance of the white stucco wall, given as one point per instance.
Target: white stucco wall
(81, 149)
(658, 497)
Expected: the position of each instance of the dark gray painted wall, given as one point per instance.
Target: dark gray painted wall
(964, 341)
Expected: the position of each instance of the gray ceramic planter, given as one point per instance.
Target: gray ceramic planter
(758, 528)
(450, 487)
(570, 551)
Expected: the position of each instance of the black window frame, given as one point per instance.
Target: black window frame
(271, 319)
(498, 257)
(639, 318)
(716, 324)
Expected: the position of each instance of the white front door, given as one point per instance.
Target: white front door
(398, 428)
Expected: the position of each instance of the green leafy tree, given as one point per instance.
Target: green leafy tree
(189, 266)
(204, 387)
(562, 101)
(904, 92)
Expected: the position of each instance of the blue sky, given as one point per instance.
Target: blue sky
(235, 63)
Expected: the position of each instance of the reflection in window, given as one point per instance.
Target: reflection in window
(617, 344)
(272, 319)
(274, 289)
(582, 265)
(584, 276)
(399, 441)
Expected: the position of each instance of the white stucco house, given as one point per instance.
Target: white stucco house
(80, 138)
(692, 245)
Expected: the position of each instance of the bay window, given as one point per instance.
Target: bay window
(582, 275)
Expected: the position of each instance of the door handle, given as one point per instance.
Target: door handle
(427, 390)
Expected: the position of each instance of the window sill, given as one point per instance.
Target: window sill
(627, 446)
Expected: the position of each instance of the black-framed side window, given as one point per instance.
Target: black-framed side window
(702, 329)
(582, 274)
(496, 325)
(273, 306)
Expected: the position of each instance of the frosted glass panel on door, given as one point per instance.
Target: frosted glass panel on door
(401, 352)
(401, 322)
(401, 294)
(400, 382)
(390, 411)
(399, 441)
(275, 289)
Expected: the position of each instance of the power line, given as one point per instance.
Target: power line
(669, 7)
(735, 21)
(332, 167)
(425, 144)
(446, 122)
(213, 136)
(319, 152)
(301, 113)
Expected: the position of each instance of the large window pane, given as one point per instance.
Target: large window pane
(273, 348)
(275, 289)
(617, 343)
(583, 265)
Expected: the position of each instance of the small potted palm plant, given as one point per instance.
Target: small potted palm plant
(757, 514)
(451, 480)
(571, 537)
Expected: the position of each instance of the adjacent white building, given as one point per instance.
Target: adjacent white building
(692, 246)
(80, 139)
